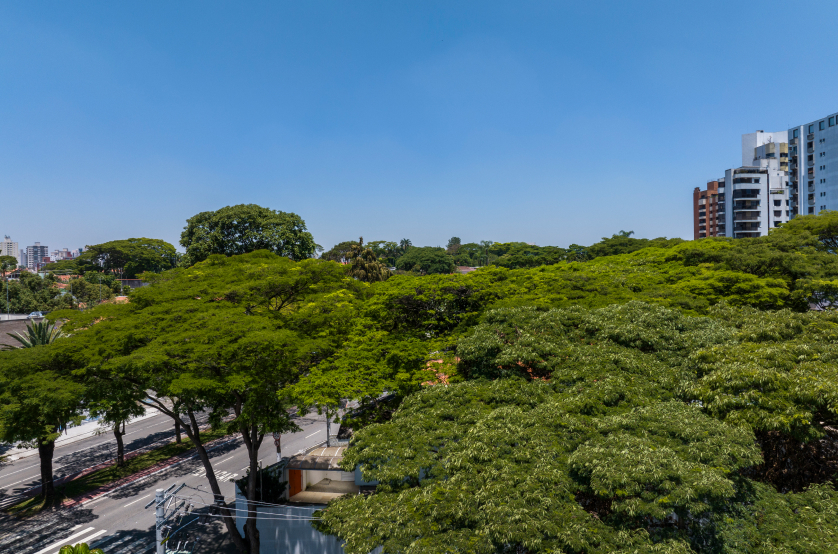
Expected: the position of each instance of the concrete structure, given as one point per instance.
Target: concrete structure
(813, 168)
(35, 256)
(9, 248)
(765, 146)
(756, 200)
(708, 221)
(314, 478)
(63, 254)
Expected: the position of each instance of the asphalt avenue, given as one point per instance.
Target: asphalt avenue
(116, 521)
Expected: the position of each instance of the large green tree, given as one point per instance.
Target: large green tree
(590, 431)
(228, 335)
(246, 228)
(39, 397)
(426, 260)
(130, 257)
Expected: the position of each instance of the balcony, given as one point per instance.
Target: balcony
(811, 201)
(810, 150)
(811, 163)
(810, 136)
(750, 170)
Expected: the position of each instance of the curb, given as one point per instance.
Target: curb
(148, 472)
(34, 451)
(29, 493)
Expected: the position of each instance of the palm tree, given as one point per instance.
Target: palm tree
(405, 244)
(38, 334)
(364, 264)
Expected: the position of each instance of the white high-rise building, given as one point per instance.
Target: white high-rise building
(756, 199)
(813, 167)
(9, 248)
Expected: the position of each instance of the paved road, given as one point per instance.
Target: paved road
(117, 521)
(19, 476)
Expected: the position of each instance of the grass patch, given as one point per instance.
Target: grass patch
(110, 474)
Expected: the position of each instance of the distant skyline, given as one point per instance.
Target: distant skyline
(543, 122)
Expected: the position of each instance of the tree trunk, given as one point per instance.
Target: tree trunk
(120, 447)
(45, 452)
(251, 533)
(193, 432)
(177, 430)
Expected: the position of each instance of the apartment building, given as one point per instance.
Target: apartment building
(35, 256)
(757, 199)
(9, 248)
(813, 166)
(708, 210)
(752, 198)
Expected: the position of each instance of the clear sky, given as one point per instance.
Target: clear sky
(544, 122)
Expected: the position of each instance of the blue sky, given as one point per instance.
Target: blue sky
(545, 122)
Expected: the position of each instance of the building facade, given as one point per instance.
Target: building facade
(757, 199)
(9, 248)
(35, 256)
(708, 220)
(813, 167)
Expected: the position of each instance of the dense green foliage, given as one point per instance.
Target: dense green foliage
(425, 260)
(579, 431)
(678, 397)
(32, 293)
(246, 228)
(128, 258)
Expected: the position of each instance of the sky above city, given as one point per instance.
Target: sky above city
(545, 122)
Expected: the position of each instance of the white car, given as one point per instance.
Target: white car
(35, 315)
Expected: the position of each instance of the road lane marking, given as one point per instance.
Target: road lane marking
(86, 539)
(137, 500)
(311, 435)
(18, 471)
(62, 542)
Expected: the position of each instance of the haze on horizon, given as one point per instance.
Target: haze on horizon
(545, 122)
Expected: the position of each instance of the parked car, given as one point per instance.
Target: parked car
(35, 315)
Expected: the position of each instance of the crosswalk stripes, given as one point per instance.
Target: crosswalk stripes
(24, 532)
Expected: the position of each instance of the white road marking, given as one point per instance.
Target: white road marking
(137, 500)
(62, 542)
(311, 435)
(225, 460)
(86, 539)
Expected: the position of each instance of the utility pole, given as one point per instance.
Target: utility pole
(160, 513)
(277, 440)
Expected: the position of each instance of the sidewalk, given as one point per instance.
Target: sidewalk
(87, 429)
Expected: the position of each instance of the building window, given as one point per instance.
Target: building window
(811, 210)
(795, 134)
(812, 128)
(822, 125)
(777, 202)
(832, 121)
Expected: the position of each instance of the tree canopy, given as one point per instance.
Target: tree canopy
(425, 260)
(246, 228)
(229, 335)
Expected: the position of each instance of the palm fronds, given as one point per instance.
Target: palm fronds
(37, 334)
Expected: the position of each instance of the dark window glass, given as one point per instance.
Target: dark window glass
(795, 134)
(832, 121)
(822, 125)
(811, 128)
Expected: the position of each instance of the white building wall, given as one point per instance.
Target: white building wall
(767, 187)
(752, 141)
(9, 248)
